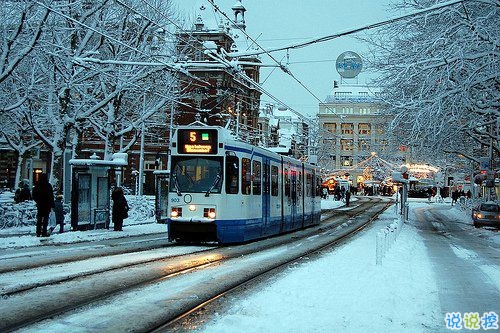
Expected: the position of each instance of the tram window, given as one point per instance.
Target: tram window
(287, 183)
(308, 185)
(299, 184)
(318, 186)
(274, 181)
(232, 174)
(256, 172)
(246, 176)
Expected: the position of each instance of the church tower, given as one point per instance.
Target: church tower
(239, 15)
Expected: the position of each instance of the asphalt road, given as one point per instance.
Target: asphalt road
(461, 260)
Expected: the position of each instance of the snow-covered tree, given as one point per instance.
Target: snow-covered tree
(440, 74)
(21, 25)
(90, 69)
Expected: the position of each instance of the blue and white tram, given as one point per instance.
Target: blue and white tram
(228, 191)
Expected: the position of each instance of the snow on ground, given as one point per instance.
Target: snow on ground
(347, 291)
(344, 290)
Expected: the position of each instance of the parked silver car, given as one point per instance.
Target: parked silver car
(487, 213)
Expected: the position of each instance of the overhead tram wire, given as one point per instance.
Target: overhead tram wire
(168, 65)
(326, 38)
(280, 65)
(199, 48)
(351, 31)
(220, 60)
(178, 27)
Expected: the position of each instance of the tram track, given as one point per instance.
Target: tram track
(95, 287)
(178, 323)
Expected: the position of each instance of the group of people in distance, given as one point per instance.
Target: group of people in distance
(46, 201)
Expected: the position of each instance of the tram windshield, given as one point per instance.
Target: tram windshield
(196, 174)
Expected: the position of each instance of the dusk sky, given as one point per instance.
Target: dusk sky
(282, 23)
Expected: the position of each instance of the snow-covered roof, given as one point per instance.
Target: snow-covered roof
(274, 121)
(353, 93)
(280, 150)
(215, 22)
(118, 159)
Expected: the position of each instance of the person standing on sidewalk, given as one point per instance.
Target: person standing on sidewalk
(347, 198)
(43, 195)
(120, 208)
(59, 212)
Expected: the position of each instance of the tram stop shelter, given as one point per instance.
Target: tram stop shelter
(161, 194)
(90, 190)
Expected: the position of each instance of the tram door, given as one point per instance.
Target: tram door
(293, 188)
(265, 195)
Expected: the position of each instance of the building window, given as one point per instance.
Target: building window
(330, 127)
(343, 94)
(346, 161)
(347, 128)
(330, 142)
(364, 145)
(379, 128)
(364, 129)
(346, 144)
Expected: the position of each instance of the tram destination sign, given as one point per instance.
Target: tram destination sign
(197, 141)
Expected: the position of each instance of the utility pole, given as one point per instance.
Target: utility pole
(141, 155)
(237, 119)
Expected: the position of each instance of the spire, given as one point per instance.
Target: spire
(239, 15)
(199, 23)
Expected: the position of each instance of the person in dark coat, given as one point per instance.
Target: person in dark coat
(454, 197)
(347, 198)
(59, 212)
(23, 193)
(120, 209)
(43, 194)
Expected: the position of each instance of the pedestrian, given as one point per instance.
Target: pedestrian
(23, 192)
(454, 197)
(59, 212)
(120, 208)
(43, 194)
(347, 198)
(336, 192)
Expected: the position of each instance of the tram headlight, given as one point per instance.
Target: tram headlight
(209, 213)
(192, 208)
(176, 212)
